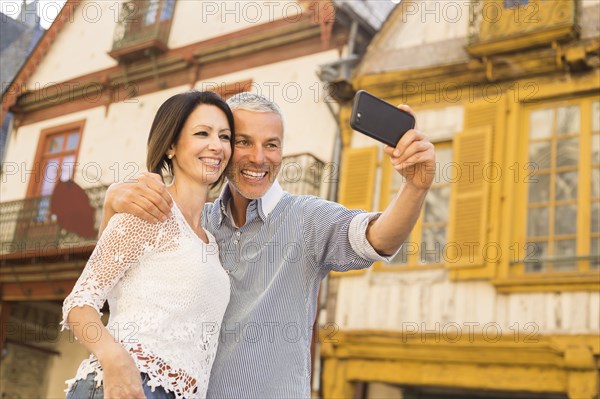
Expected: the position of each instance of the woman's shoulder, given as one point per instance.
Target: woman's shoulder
(130, 224)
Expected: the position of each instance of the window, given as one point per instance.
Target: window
(427, 242)
(143, 29)
(4, 129)
(435, 213)
(55, 160)
(514, 3)
(563, 193)
(150, 10)
(145, 16)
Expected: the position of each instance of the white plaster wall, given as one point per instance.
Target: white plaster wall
(428, 301)
(198, 20)
(418, 34)
(589, 17)
(81, 46)
(427, 21)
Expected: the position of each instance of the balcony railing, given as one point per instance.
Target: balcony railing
(143, 29)
(28, 225)
(302, 174)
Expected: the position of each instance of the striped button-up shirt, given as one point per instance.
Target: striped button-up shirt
(276, 262)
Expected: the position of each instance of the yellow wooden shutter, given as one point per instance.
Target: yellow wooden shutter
(480, 115)
(357, 178)
(357, 185)
(469, 199)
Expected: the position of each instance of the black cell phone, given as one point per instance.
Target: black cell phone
(379, 119)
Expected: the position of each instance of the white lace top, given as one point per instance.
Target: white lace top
(167, 293)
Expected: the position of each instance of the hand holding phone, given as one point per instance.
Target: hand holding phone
(379, 119)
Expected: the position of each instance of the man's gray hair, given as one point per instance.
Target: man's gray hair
(255, 103)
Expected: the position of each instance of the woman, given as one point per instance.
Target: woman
(164, 283)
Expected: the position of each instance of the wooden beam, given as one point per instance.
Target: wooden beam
(510, 363)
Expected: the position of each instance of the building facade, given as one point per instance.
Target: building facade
(82, 106)
(496, 293)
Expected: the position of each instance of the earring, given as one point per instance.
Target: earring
(170, 156)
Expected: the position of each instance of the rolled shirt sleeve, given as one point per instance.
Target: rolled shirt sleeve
(336, 235)
(357, 235)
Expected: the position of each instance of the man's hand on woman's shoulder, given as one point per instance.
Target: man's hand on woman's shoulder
(144, 196)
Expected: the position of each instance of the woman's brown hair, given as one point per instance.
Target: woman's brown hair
(168, 123)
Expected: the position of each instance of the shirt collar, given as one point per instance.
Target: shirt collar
(267, 202)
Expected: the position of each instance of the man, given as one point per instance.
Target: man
(277, 248)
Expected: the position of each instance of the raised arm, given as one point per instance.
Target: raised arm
(414, 159)
(145, 197)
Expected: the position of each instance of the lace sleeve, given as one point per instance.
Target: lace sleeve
(124, 241)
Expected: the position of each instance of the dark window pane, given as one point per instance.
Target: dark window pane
(596, 116)
(151, 11)
(540, 154)
(56, 144)
(567, 120)
(567, 152)
(596, 149)
(595, 211)
(565, 186)
(432, 244)
(436, 205)
(595, 183)
(535, 254)
(541, 124)
(67, 168)
(50, 176)
(72, 141)
(565, 248)
(565, 219)
(595, 252)
(539, 188)
(514, 3)
(537, 222)
(167, 10)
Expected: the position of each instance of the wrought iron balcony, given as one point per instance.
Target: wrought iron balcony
(302, 174)
(143, 29)
(28, 226)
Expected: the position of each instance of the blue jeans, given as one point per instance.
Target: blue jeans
(86, 389)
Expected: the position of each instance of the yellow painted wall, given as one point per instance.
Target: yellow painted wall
(538, 332)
